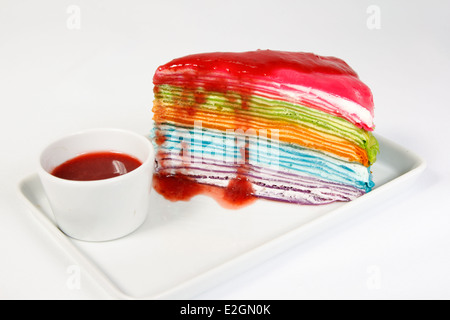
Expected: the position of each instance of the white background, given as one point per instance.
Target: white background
(55, 80)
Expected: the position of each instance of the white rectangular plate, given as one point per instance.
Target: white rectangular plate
(185, 248)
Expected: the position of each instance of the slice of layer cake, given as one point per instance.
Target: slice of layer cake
(285, 126)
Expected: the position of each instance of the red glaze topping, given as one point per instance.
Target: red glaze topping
(261, 63)
(328, 74)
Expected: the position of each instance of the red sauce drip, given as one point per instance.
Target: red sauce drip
(200, 97)
(245, 98)
(160, 138)
(96, 166)
(192, 110)
(239, 191)
(176, 187)
(179, 187)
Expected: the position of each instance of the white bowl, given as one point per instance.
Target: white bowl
(99, 210)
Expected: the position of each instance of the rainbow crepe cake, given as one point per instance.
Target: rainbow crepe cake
(285, 126)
